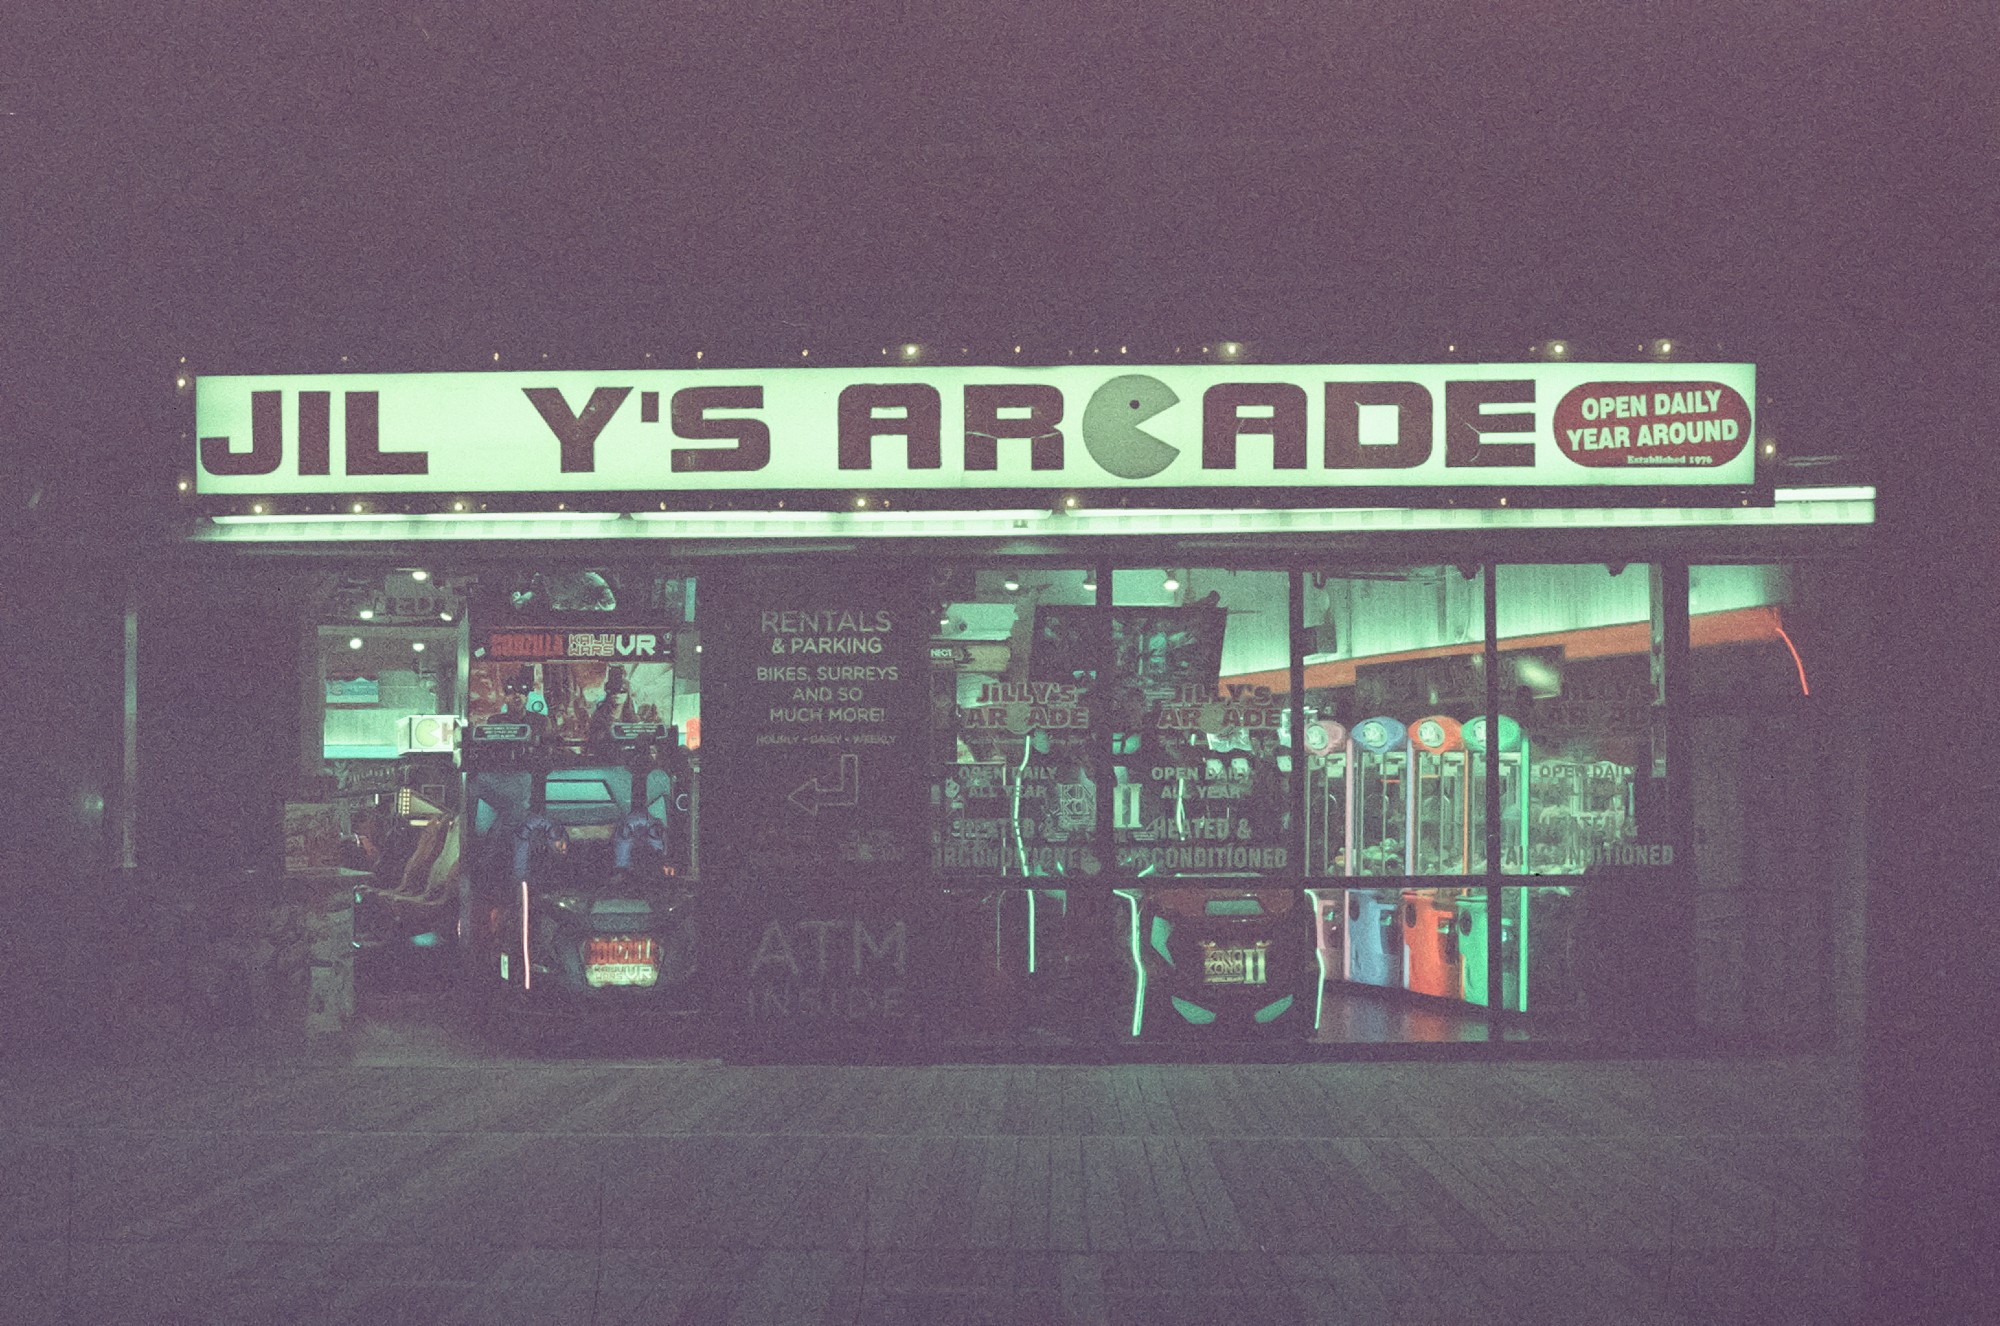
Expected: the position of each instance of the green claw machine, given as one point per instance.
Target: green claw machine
(1515, 837)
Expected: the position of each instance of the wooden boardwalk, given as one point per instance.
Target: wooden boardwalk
(695, 1192)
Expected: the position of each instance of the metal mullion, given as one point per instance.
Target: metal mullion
(1103, 761)
(1496, 973)
(1673, 581)
(1297, 839)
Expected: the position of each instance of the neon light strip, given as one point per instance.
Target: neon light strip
(1131, 897)
(1779, 626)
(1031, 932)
(1020, 843)
(1858, 493)
(1319, 954)
(527, 963)
(1793, 506)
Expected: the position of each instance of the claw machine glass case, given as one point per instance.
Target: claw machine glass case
(1377, 815)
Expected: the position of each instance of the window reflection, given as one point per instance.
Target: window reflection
(1014, 661)
(1394, 677)
(1196, 693)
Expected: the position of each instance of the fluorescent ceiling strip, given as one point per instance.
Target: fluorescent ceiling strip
(1793, 507)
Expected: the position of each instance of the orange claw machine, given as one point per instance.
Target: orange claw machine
(1438, 792)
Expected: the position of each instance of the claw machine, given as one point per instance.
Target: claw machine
(1441, 816)
(1517, 846)
(1328, 752)
(1438, 842)
(1377, 835)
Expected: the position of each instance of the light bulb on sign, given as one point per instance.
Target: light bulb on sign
(416, 646)
(354, 642)
(420, 575)
(1170, 584)
(366, 614)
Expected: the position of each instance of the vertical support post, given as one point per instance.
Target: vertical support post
(1103, 762)
(1296, 840)
(128, 768)
(1496, 968)
(1301, 804)
(1674, 907)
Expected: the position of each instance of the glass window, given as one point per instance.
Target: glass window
(1743, 624)
(1013, 664)
(1543, 962)
(1200, 722)
(387, 665)
(1395, 680)
(1581, 711)
(583, 703)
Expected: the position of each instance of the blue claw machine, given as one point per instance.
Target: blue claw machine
(1377, 844)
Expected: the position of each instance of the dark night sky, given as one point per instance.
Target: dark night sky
(265, 187)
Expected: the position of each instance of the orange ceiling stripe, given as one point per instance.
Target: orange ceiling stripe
(1739, 626)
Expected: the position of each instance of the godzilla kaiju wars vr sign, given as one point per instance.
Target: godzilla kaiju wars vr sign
(1181, 428)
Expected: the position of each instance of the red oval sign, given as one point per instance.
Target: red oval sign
(1614, 424)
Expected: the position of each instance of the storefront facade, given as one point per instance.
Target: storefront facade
(1009, 708)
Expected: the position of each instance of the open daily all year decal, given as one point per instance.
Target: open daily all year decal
(1141, 429)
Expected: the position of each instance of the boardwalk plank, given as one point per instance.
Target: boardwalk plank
(1033, 1204)
(1068, 1214)
(1145, 1216)
(1180, 1207)
(1455, 1165)
(991, 1221)
(1225, 1231)
(1104, 1218)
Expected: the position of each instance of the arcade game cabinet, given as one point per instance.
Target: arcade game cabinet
(578, 903)
(1377, 819)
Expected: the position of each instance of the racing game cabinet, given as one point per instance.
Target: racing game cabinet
(578, 903)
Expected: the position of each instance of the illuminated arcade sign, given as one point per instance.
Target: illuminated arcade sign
(1182, 427)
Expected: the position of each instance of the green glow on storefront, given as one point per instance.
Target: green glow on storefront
(1319, 956)
(1791, 507)
(1031, 932)
(1194, 1013)
(1131, 898)
(1234, 907)
(1271, 1011)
